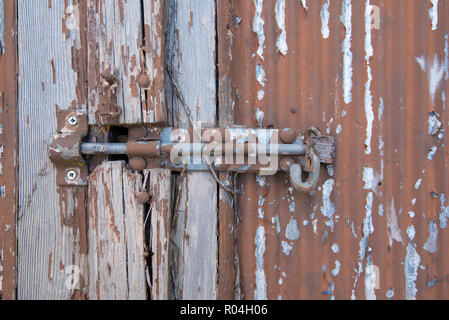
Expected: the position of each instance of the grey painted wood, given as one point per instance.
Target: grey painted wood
(48, 243)
(161, 210)
(116, 236)
(154, 108)
(192, 67)
(115, 38)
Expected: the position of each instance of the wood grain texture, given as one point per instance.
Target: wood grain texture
(154, 107)
(227, 262)
(192, 68)
(161, 210)
(115, 38)
(8, 149)
(51, 223)
(116, 235)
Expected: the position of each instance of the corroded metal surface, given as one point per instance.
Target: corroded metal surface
(373, 74)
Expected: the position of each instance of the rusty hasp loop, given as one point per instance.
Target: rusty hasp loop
(295, 173)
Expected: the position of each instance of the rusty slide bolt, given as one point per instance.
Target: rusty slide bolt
(312, 181)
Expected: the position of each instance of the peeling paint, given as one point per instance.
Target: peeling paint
(292, 231)
(434, 124)
(325, 20)
(411, 266)
(368, 227)
(435, 71)
(336, 271)
(432, 153)
(370, 280)
(446, 53)
(371, 179)
(304, 4)
(444, 215)
(328, 208)
(431, 244)
(369, 52)
(418, 184)
(260, 75)
(286, 248)
(335, 248)
(433, 13)
(394, 232)
(261, 281)
(275, 220)
(280, 19)
(346, 19)
(258, 27)
(390, 294)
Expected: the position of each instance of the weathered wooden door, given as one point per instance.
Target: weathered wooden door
(99, 241)
(371, 73)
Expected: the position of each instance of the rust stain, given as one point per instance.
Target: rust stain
(388, 182)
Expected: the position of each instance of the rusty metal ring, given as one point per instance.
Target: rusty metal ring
(312, 180)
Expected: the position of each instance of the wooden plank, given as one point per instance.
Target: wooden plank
(115, 38)
(192, 69)
(116, 235)
(161, 210)
(51, 221)
(227, 265)
(8, 148)
(154, 107)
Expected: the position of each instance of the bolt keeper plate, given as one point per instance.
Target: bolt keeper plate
(64, 148)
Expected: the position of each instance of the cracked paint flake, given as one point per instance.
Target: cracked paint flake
(433, 13)
(325, 20)
(280, 19)
(261, 281)
(346, 19)
(304, 4)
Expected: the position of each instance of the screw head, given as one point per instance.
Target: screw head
(71, 175)
(73, 121)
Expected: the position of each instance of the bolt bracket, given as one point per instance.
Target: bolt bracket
(64, 148)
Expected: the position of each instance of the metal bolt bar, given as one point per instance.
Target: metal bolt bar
(195, 148)
(103, 148)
